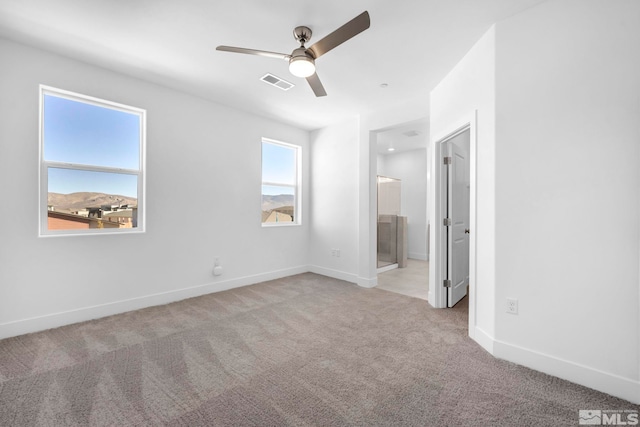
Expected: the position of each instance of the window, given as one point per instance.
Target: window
(91, 165)
(280, 183)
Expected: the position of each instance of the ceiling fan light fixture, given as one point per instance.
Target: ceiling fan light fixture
(301, 64)
(302, 60)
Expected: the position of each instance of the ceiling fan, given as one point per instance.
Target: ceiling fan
(302, 60)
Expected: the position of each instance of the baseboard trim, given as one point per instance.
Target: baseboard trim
(481, 337)
(367, 283)
(614, 385)
(49, 321)
(336, 274)
(417, 255)
(387, 268)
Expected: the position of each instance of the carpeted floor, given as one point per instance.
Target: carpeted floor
(301, 351)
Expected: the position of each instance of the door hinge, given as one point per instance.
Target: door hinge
(447, 160)
(446, 283)
(447, 222)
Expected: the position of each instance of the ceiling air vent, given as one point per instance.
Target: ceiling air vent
(277, 82)
(411, 133)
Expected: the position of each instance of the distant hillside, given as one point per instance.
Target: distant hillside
(76, 201)
(272, 202)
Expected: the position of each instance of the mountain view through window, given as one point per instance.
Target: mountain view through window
(279, 183)
(91, 163)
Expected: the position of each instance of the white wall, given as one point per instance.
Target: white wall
(468, 91)
(557, 206)
(203, 200)
(334, 207)
(567, 191)
(380, 162)
(411, 168)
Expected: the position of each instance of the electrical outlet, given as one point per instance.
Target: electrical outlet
(216, 261)
(512, 305)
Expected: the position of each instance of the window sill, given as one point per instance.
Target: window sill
(280, 224)
(68, 233)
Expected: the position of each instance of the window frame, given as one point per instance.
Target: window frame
(297, 196)
(44, 166)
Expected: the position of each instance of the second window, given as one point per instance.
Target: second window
(280, 183)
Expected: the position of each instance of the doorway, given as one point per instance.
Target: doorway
(401, 165)
(455, 190)
(440, 273)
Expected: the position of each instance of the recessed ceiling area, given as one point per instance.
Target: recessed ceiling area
(410, 46)
(405, 137)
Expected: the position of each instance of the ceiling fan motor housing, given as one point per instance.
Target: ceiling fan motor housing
(301, 53)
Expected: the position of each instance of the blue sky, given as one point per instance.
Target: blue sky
(278, 166)
(271, 190)
(75, 132)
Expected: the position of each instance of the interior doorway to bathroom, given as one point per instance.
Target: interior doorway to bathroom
(402, 161)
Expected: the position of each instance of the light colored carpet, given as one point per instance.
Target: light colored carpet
(301, 351)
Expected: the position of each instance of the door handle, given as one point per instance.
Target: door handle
(466, 231)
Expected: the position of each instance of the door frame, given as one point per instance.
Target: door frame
(438, 240)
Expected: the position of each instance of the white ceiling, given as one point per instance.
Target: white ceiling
(404, 137)
(410, 46)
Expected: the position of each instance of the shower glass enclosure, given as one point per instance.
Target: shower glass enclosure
(388, 211)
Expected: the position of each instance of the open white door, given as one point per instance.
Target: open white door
(457, 222)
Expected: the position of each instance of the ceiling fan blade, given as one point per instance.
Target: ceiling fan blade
(316, 85)
(341, 35)
(254, 52)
